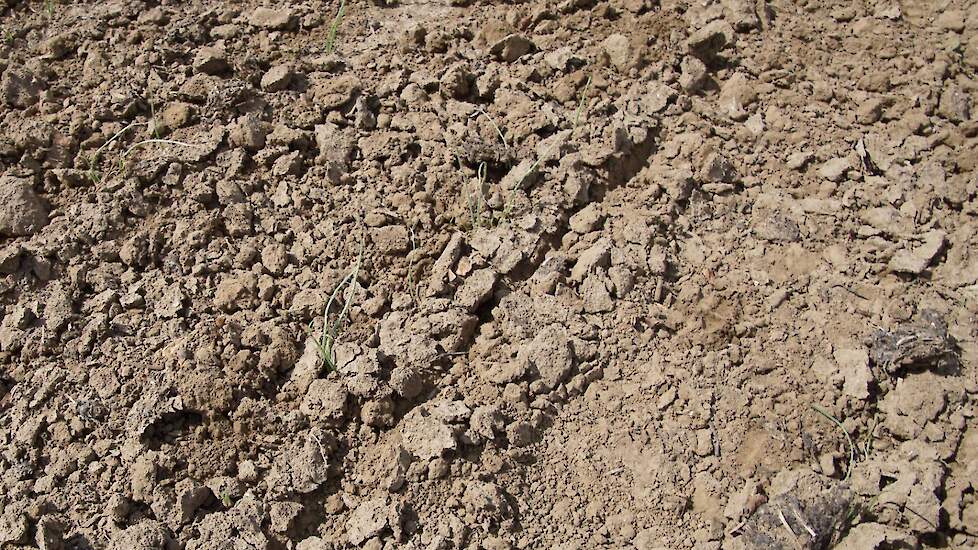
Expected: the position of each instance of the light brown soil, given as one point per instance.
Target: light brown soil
(619, 274)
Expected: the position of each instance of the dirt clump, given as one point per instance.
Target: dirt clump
(627, 274)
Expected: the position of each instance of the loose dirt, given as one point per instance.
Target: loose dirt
(621, 274)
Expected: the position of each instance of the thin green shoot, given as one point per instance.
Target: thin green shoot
(331, 33)
(49, 8)
(152, 117)
(495, 126)
(475, 204)
(870, 436)
(580, 104)
(330, 331)
(852, 446)
(93, 159)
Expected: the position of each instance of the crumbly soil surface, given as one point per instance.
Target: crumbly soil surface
(601, 274)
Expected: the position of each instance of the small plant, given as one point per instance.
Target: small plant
(327, 336)
(331, 33)
(852, 446)
(49, 8)
(93, 174)
(475, 203)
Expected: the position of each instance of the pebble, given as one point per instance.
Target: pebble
(22, 212)
(835, 169)
(210, 60)
(618, 49)
(277, 78)
(267, 18)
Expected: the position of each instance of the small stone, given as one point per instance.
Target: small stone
(210, 60)
(476, 289)
(391, 239)
(20, 88)
(325, 401)
(248, 132)
(22, 212)
(283, 515)
(798, 160)
(710, 39)
(289, 164)
(406, 381)
(595, 257)
(426, 437)
(736, 95)
(368, 520)
(870, 110)
(955, 105)
(271, 19)
(693, 74)
(915, 260)
(236, 292)
(741, 14)
(835, 169)
(658, 97)
(854, 366)
(277, 78)
(619, 50)
(511, 47)
(190, 495)
(951, 20)
(586, 219)
(562, 58)
(454, 83)
(551, 354)
(716, 169)
(596, 295)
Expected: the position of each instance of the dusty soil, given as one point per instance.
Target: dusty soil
(617, 274)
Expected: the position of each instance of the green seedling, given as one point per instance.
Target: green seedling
(49, 8)
(327, 336)
(475, 203)
(93, 160)
(495, 127)
(852, 446)
(331, 33)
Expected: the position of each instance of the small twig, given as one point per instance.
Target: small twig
(785, 523)
(738, 527)
(803, 524)
(852, 446)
